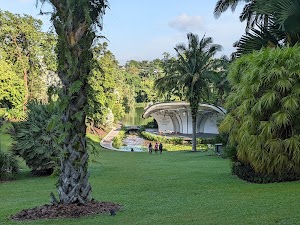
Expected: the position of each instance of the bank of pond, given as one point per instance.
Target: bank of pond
(139, 141)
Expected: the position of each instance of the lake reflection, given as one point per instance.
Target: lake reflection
(134, 117)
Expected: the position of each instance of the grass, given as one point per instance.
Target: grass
(172, 188)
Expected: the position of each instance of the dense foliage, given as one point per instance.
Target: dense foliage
(8, 166)
(263, 111)
(35, 139)
(30, 53)
(11, 88)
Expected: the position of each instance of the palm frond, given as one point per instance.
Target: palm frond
(223, 5)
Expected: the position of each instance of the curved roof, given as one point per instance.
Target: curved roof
(179, 106)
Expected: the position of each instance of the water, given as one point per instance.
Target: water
(134, 117)
(132, 141)
(135, 143)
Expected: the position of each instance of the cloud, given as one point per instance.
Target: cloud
(186, 23)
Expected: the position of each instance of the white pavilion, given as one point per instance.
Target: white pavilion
(175, 117)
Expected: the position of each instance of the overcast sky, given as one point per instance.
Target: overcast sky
(144, 30)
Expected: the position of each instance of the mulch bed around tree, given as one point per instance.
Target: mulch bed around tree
(67, 211)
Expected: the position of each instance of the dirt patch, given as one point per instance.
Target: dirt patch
(67, 211)
(97, 131)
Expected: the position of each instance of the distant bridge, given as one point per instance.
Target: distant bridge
(132, 128)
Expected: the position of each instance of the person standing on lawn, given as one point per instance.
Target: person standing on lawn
(160, 147)
(156, 147)
(150, 148)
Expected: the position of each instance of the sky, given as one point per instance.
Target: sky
(144, 30)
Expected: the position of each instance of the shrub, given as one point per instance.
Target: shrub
(151, 124)
(174, 140)
(263, 107)
(118, 140)
(3, 116)
(8, 166)
(35, 139)
(157, 138)
(206, 141)
(246, 172)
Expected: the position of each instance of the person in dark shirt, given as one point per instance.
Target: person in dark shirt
(150, 148)
(160, 148)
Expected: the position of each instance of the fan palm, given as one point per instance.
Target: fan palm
(263, 110)
(75, 22)
(191, 74)
(248, 14)
(283, 27)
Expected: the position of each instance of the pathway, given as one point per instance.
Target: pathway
(106, 142)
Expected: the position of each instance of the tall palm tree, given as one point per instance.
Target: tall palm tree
(75, 22)
(193, 68)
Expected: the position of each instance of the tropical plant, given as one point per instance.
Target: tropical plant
(35, 139)
(75, 22)
(263, 111)
(281, 26)
(248, 13)
(194, 67)
(8, 165)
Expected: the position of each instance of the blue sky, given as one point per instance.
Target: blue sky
(144, 30)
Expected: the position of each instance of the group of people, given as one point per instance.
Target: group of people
(157, 147)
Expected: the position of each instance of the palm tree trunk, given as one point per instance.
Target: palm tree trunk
(75, 66)
(75, 22)
(194, 140)
(73, 180)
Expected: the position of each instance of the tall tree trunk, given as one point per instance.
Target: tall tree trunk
(75, 23)
(194, 105)
(194, 139)
(75, 65)
(73, 180)
(25, 76)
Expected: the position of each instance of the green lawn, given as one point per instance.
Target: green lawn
(172, 188)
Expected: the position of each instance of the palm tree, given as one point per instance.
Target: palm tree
(192, 70)
(248, 14)
(283, 26)
(75, 22)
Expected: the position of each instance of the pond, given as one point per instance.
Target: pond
(134, 143)
(134, 117)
